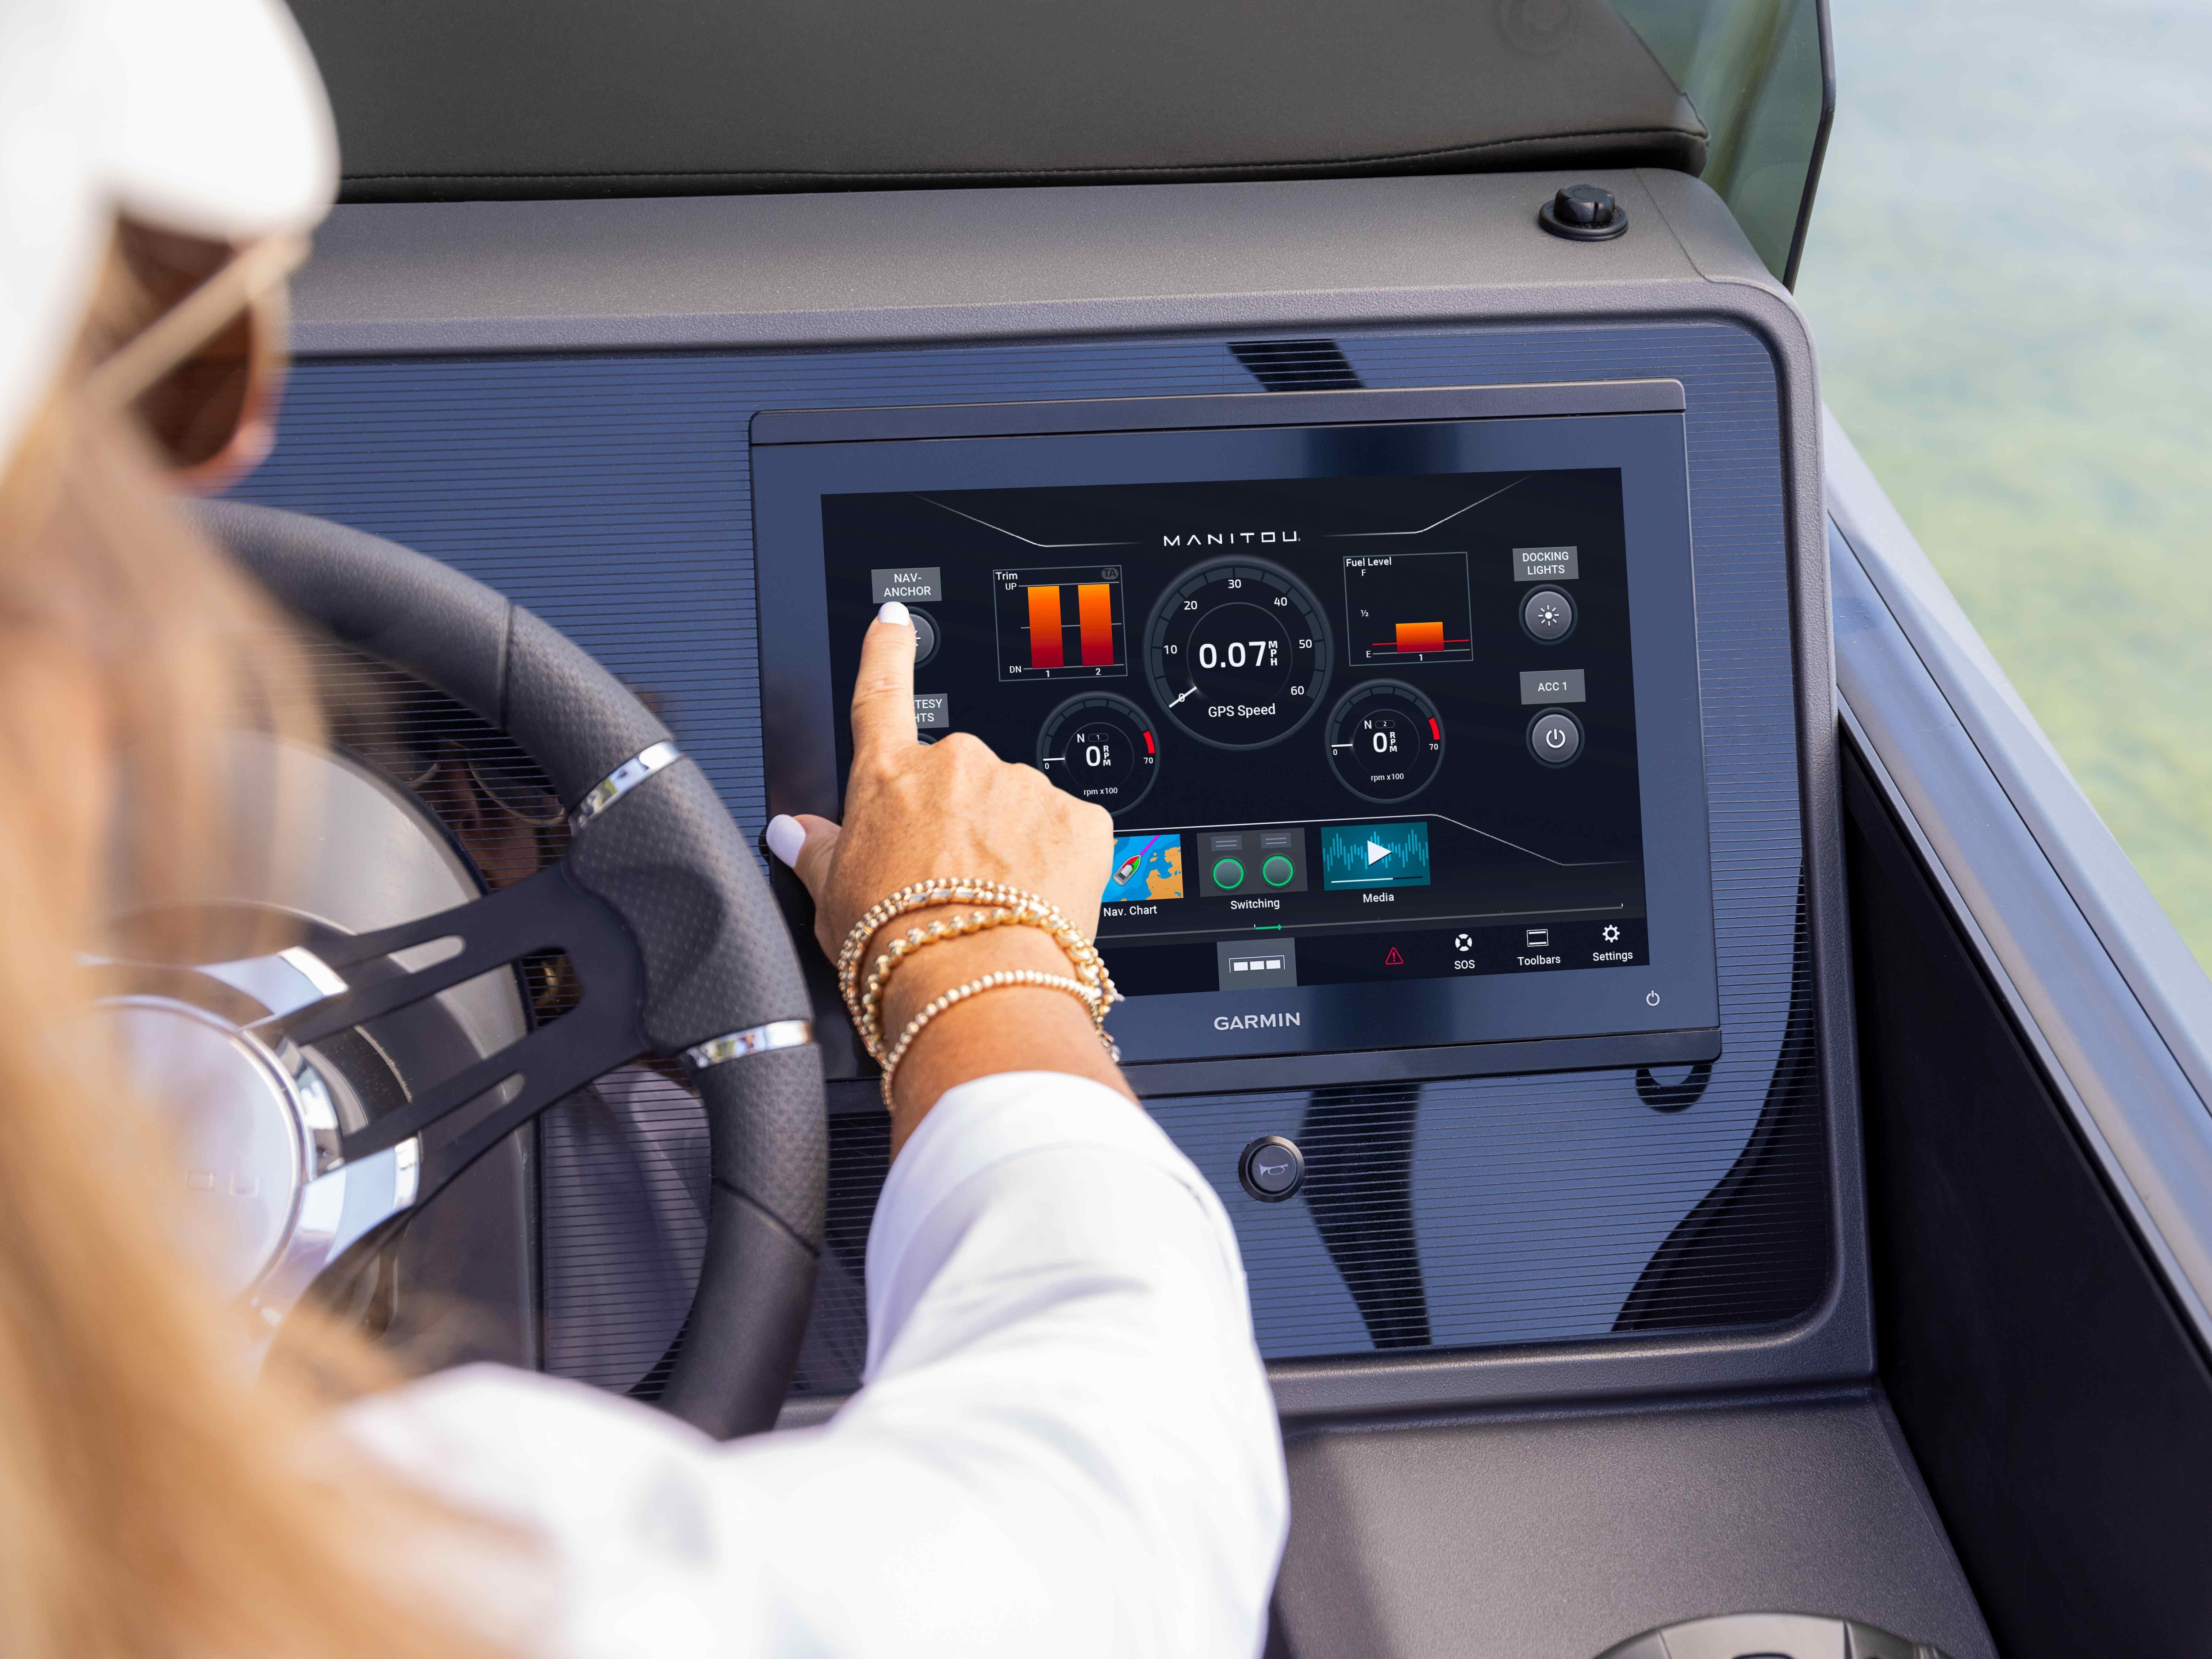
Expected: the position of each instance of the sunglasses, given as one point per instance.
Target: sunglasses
(204, 370)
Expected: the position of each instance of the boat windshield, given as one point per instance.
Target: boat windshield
(1761, 75)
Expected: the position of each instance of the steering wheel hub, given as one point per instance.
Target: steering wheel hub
(239, 1124)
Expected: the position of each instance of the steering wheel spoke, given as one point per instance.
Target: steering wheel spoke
(544, 912)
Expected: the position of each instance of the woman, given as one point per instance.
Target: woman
(1065, 1443)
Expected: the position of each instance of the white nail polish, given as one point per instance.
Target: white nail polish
(785, 838)
(893, 612)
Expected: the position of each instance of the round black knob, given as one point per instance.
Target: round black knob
(1583, 213)
(1271, 1169)
(1583, 204)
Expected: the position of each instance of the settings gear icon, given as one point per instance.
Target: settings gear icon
(1611, 934)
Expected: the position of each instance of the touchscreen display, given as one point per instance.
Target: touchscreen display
(1351, 729)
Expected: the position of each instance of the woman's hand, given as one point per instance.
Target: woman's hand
(915, 811)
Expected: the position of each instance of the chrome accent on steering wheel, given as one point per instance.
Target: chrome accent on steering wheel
(753, 1040)
(289, 980)
(620, 781)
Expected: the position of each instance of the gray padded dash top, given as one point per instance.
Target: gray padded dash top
(454, 100)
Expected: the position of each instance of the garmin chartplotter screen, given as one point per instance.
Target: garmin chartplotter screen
(1371, 732)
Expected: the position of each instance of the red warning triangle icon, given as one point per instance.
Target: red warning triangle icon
(1393, 960)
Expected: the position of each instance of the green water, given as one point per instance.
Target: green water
(2009, 277)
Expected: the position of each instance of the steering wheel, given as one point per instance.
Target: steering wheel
(661, 910)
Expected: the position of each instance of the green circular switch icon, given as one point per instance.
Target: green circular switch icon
(1228, 875)
(1277, 872)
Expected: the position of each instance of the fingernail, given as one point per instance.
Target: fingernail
(785, 838)
(893, 612)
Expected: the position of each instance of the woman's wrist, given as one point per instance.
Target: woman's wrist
(1010, 1029)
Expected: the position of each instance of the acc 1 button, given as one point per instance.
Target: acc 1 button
(1271, 1169)
(1555, 736)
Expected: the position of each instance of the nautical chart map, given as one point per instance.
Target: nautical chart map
(1145, 867)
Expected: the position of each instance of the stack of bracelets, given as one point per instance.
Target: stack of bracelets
(864, 999)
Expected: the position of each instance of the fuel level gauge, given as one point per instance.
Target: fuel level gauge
(1386, 741)
(1100, 747)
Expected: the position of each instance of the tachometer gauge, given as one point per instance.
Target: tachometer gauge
(1239, 653)
(1386, 741)
(1100, 747)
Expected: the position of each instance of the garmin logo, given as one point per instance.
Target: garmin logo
(1227, 537)
(1247, 1022)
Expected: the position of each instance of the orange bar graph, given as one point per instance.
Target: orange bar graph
(1094, 609)
(1417, 636)
(1046, 650)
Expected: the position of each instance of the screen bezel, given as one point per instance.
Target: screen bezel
(1666, 1012)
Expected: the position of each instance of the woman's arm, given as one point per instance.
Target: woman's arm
(916, 811)
(1065, 1443)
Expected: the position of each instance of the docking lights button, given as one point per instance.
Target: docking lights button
(1548, 616)
(1555, 736)
(1271, 1169)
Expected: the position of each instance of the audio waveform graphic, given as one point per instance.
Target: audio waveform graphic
(1374, 855)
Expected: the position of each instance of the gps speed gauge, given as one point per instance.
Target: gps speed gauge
(1386, 741)
(1238, 652)
(1100, 747)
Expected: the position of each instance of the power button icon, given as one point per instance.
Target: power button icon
(1555, 736)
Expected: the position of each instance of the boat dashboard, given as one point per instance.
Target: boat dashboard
(1439, 607)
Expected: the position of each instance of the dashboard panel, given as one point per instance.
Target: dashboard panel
(1396, 716)
(581, 403)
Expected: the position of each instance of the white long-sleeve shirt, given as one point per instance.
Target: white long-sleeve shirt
(1065, 1445)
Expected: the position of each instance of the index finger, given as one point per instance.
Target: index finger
(883, 694)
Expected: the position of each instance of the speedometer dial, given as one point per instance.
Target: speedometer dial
(1238, 652)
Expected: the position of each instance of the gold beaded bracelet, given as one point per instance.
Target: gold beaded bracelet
(1015, 909)
(959, 993)
(915, 896)
(939, 930)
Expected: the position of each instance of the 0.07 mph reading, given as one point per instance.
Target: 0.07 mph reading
(1237, 654)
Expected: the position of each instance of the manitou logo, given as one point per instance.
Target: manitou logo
(1228, 538)
(1247, 1022)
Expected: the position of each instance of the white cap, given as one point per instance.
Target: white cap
(205, 116)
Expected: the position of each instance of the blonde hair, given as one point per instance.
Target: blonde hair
(153, 1500)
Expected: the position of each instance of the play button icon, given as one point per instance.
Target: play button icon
(1377, 853)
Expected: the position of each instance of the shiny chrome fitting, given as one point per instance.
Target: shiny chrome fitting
(619, 783)
(753, 1040)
